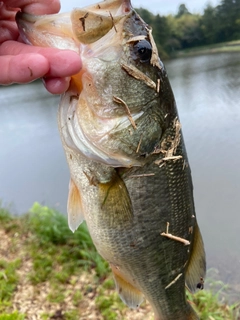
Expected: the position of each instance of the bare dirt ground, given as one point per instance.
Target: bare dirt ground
(32, 300)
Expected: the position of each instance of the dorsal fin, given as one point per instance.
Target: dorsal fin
(74, 207)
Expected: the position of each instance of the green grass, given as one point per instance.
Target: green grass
(12, 316)
(5, 215)
(77, 298)
(52, 237)
(208, 306)
(211, 304)
(108, 305)
(8, 282)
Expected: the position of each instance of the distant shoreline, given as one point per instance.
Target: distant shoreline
(231, 46)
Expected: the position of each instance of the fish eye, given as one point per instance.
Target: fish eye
(143, 50)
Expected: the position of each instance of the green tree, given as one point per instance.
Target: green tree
(228, 15)
(208, 23)
(160, 29)
(185, 30)
(182, 10)
(146, 15)
(161, 33)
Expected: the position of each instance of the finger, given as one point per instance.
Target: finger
(22, 68)
(35, 6)
(56, 85)
(6, 12)
(63, 63)
(8, 30)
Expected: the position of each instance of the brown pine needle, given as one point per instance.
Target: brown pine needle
(142, 175)
(120, 101)
(170, 236)
(175, 280)
(139, 144)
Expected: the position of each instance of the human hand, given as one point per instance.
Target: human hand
(22, 63)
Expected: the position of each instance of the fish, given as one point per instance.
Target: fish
(130, 178)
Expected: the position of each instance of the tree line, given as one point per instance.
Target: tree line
(186, 30)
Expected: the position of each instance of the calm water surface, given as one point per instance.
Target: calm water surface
(207, 90)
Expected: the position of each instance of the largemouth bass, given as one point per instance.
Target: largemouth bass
(130, 177)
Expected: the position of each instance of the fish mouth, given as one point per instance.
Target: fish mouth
(47, 30)
(68, 30)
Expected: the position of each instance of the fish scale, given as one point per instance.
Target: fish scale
(129, 173)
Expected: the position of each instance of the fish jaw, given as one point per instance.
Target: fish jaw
(47, 30)
(68, 30)
(94, 22)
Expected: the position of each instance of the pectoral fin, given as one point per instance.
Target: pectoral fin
(115, 202)
(196, 267)
(127, 292)
(74, 207)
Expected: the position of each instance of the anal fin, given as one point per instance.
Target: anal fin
(74, 207)
(127, 292)
(196, 267)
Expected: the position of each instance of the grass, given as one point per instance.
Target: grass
(13, 316)
(8, 281)
(50, 236)
(57, 268)
(207, 304)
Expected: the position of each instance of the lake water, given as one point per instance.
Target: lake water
(207, 91)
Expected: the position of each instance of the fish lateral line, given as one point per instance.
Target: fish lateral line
(172, 237)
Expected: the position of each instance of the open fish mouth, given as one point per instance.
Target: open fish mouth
(83, 26)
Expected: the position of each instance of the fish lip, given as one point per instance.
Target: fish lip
(127, 6)
(22, 16)
(21, 19)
